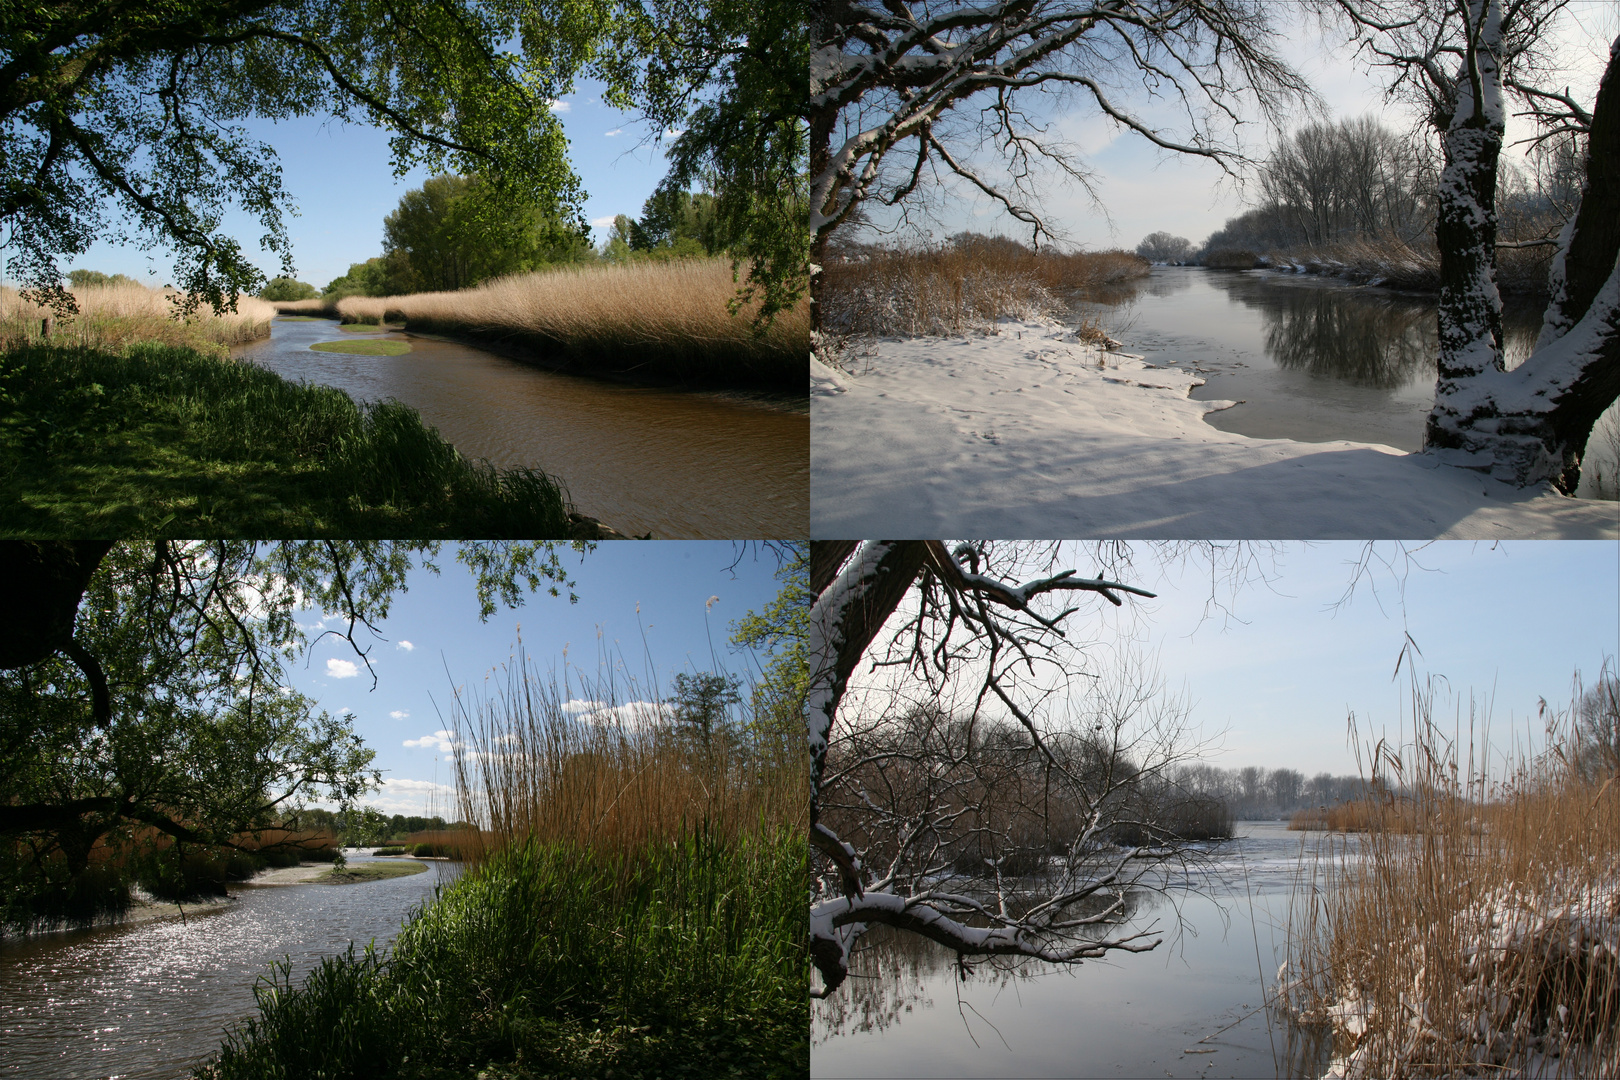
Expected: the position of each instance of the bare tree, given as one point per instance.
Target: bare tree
(1460, 60)
(886, 79)
(979, 804)
(1161, 247)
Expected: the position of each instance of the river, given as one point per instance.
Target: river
(151, 1000)
(1311, 358)
(910, 1012)
(681, 465)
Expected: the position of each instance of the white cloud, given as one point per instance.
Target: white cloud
(615, 131)
(603, 222)
(632, 714)
(557, 105)
(674, 133)
(439, 740)
(341, 669)
(399, 715)
(407, 646)
(400, 796)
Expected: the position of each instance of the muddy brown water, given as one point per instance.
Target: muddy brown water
(1310, 358)
(153, 1000)
(687, 465)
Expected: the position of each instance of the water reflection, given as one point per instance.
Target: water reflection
(911, 1008)
(1374, 342)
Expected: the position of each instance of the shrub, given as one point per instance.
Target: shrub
(385, 852)
(1231, 260)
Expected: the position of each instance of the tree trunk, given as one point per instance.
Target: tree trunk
(1532, 424)
(41, 584)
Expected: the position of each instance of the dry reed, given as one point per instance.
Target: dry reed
(663, 319)
(1394, 264)
(960, 287)
(1485, 941)
(554, 763)
(111, 317)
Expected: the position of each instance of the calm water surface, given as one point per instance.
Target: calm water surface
(912, 1013)
(678, 465)
(1311, 358)
(154, 999)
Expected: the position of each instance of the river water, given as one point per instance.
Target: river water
(1311, 358)
(153, 999)
(681, 465)
(912, 1013)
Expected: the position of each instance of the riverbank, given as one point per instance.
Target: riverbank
(1392, 265)
(164, 440)
(663, 323)
(1030, 432)
(112, 317)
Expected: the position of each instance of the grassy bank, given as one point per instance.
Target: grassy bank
(634, 907)
(663, 321)
(111, 317)
(359, 872)
(1395, 265)
(167, 441)
(1474, 928)
(961, 286)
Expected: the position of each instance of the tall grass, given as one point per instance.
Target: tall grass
(635, 906)
(165, 440)
(960, 286)
(1394, 264)
(1479, 937)
(112, 317)
(664, 320)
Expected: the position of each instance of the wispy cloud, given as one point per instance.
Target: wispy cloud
(632, 714)
(398, 715)
(407, 646)
(558, 105)
(439, 740)
(674, 133)
(603, 222)
(615, 131)
(341, 669)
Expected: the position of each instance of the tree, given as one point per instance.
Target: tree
(285, 288)
(905, 802)
(702, 703)
(84, 279)
(121, 116)
(782, 631)
(727, 79)
(678, 223)
(1161, 247)
(143, 685)
(1458, 61)
(886, 81)
(441, 238)
(1597, 728)
(374, 277)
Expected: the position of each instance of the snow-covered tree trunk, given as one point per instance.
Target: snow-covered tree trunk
(1531, 424)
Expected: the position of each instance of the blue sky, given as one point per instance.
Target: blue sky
(1142, 189)
(434, 640)
(1509, 623)
(341, 180)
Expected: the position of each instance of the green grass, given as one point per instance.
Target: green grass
(384, 852)
(351, 875)
(548, 961)
(302, 318)
(365, 347)
(369, 327)
(166, 441)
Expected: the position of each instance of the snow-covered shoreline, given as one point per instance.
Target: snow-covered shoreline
(1030, 433)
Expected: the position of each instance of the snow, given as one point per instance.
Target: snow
(1029, 433)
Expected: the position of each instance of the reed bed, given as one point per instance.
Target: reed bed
(655, 320)
(112, 317)
(1394, 264)
(1388, 813)
(1482, 942)
(634, 907)
(961, 287)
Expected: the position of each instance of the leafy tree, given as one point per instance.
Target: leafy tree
(703, 702)
(143, 688)
(285, 288)
(82, 279)
(374, 277)
(618, 245)
(782, 631)
(438, 238)
(679, 222)
(121, 116)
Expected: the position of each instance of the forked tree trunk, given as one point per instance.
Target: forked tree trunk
(1532, 423)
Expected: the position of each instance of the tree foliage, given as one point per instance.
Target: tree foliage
(782, 631)
(144, 691)
(286, 288)
(122, 118)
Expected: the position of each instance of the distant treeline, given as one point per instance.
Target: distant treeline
(1254, 793)
(1357, 182)
(447, 236)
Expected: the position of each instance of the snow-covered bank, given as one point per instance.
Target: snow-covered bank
(1029, 433)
